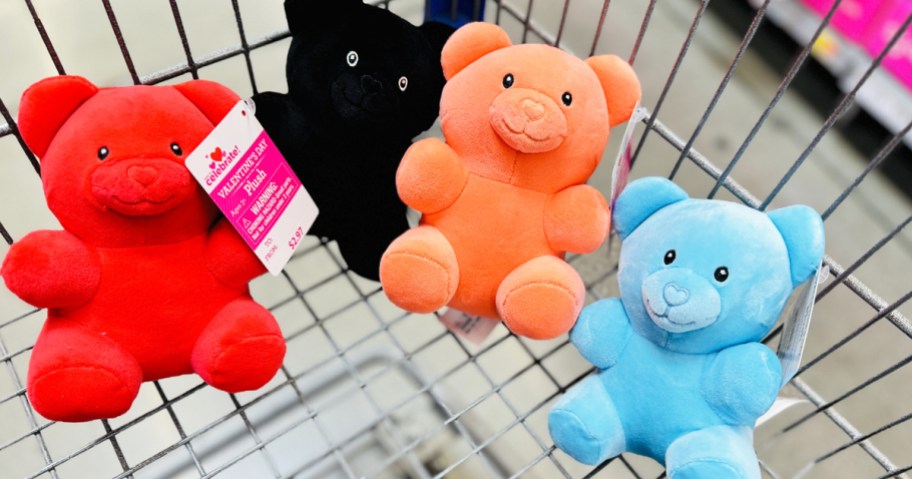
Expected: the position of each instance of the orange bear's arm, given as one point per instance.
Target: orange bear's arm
(52, 269)
(229, 258)
(577, 219)
(431, 177)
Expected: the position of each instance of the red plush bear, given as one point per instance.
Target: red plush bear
(144, 282)
(504, 197)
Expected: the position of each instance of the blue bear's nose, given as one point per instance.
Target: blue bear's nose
(675, 295)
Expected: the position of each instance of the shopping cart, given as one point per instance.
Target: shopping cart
(370, 391)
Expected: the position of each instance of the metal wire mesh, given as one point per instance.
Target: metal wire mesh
(370, 391)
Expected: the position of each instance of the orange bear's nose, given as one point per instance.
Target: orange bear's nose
(533, 109)
(144, 175)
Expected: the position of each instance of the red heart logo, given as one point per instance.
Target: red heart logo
(216, 154)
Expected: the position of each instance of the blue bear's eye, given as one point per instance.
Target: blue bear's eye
(721, 274)
(670, 256)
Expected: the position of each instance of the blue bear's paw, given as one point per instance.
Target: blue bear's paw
(706, 469)
(577, 440)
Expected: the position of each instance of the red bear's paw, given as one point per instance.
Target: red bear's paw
(541, 299)
(419, 271)
(241, 349)
(82, 393)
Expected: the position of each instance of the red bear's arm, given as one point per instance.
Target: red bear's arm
(431, 177)
(229, 258)
(52, 269)
(577, 219)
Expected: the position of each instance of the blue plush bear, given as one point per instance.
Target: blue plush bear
(683, 376)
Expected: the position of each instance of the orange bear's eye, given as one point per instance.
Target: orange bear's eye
(567, 98)
(103, 152)
(508, 80)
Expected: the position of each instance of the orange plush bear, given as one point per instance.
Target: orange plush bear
(144, 281)
(504, 198)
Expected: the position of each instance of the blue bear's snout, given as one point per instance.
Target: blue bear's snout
(678, 300)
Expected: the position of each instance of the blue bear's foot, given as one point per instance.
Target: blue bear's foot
(718, 452)
(585, 425)
(707, 469)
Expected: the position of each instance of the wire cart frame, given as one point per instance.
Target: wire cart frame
(368, 390)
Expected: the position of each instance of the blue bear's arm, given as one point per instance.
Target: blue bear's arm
(741, 383)
(601, 333)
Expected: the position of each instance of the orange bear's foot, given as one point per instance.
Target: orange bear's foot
(97, 380)
(241, 349)
(419, 271)
(541, 299)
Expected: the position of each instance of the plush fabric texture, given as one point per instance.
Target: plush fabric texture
(682, 375)
(362, 83)
(504, 197)
(145, 282)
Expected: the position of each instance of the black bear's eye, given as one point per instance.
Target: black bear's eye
(567, 98)
(721, 274)
(670, 256)
(176, 149)
(403, 83)
(103, 152)
(351, 58)
(508, 80)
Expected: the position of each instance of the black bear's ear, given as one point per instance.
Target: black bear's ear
(312, 15)
(437, 33)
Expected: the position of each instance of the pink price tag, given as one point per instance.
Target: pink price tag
(247, 177)
(621, 172)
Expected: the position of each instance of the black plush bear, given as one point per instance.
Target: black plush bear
(362, 83)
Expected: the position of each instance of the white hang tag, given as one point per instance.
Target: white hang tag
(779, 406)
(473, 328)
(247, 177)
(620, 175)
(796, 325)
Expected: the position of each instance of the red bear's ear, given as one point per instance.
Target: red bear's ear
(213, 99)
(469, 43)
(620, 84)
(47, 105)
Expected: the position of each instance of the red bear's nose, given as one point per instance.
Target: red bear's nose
(144, 175)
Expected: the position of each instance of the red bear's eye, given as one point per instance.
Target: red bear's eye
(103, 152)
(176, 149)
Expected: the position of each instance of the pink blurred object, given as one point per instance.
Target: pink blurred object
(899, 60)
(853, 18)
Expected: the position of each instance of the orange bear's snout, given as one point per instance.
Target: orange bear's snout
(528, 121)
(141, 186)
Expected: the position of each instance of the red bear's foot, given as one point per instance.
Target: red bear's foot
(419, 271)
(541, 299)
(76, 375)
(241, 349)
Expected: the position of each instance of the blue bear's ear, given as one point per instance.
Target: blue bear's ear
(641, 199)
(802, 229)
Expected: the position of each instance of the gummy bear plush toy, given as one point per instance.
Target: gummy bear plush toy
(504, 198)
(362, 83)
(143, 282)
(683, 376)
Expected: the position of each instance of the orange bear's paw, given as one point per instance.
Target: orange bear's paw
(541, 299)
(419, 271)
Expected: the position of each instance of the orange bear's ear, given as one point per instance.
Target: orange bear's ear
(620, 84)
(469, 43)
(213, 99)
(47, 105)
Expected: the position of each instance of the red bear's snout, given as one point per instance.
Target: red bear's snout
(141, 186)
(528, 121)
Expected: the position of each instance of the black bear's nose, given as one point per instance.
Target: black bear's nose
(370, 84)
